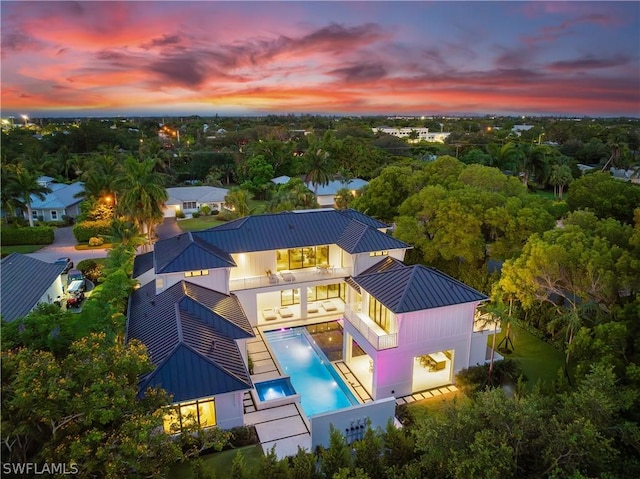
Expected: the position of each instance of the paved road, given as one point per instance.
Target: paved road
(64, 246)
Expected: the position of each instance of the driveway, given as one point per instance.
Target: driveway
(168, 229)
(64, 246)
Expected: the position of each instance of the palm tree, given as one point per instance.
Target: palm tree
(238, 201)
(142, 194)
(504, 157)
(560, 177)
(101, 176)
(343, 198)
(533, 162)
(8, 194)
(24, 185)
(125, 233)
(317, 166)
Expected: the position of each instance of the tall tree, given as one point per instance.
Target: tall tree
(560, 177)
(238, 201)
(24, 184)
(142, 195)
(318, 169)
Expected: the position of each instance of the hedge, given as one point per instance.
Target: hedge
(85, 230)
(27, 235)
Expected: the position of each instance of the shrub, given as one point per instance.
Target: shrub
(215, 212)
(195, 214)
(205, 210)
(17, 220)
(226, 215)
(94, 241)
(68, 220)
(27, 235)
(476, 378)
(180, 214)
(85, 230)
(243, 436)
(91, 269)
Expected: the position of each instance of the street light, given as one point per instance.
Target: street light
(25, 118)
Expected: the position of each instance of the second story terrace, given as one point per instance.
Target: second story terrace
(276, 250)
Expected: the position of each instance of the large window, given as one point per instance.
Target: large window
(54, 215)
(298, 258)
(380, 314)
(182, 415)
(189, 205)
(289, 297)
(327, 291)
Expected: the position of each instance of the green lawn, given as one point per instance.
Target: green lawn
(23, 249)
(539, 360)
(220, 462)
(197, 224)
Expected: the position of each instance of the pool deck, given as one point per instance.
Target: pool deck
(286, 427)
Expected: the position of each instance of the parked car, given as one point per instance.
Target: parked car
(74, 275)
(65, 261)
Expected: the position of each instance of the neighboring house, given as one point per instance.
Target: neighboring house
(189, 199)
(63, 200)
(413, 135)
(412, 327)
(326, 196)
(25, 282)
(327, 193)
(631, 174)
(281, 180)
(518, 129)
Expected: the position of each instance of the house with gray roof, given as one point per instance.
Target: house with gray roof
(413, 327)
(326, 194)
(62, 200)
(190, 199)
(25, 282)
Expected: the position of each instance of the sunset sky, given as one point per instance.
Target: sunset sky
(364, 58)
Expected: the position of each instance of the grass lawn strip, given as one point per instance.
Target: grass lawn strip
(220, 462)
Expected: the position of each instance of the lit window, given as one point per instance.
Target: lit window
(379, 253)
(183, 415)
(201, 272)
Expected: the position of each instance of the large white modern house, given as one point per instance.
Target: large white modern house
(204, 294)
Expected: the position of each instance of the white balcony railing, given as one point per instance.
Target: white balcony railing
(373, 333)
(284, 281)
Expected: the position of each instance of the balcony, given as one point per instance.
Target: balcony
(285, 279)
(372, 332)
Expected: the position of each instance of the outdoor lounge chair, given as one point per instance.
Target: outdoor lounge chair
(273, 279)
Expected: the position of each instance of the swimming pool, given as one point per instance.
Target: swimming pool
(313, 377)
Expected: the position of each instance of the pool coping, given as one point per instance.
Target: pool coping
(337, 371)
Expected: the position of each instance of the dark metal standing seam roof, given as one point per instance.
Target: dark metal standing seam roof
(186, 253)
(142, 263)
(415, 288)
(362, 218)
(295, 230)
(23, 281)
(359, 238)
(212, 248)
(191, 344)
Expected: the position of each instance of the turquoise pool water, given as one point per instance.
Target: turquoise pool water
(274, 389)
(312, 376)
